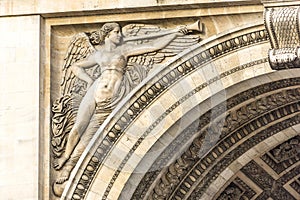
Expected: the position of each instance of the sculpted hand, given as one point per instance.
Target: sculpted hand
(182, 29)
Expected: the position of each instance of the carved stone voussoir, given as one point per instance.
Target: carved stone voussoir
(192, 170)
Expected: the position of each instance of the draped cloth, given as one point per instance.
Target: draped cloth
(102, 111)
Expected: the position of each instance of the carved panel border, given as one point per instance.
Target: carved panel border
(271, 188)
(237, 189)
(296, 185)
(260, 181)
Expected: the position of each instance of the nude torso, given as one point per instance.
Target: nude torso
(112, 70)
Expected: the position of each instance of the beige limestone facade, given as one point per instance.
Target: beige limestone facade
(215, 117)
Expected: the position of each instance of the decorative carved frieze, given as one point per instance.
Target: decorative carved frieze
(283, 156)
(271, 188)
(189, 169)
(237, 189)
(296, 184)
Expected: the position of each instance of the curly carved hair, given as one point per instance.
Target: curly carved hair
(106, 29)
(98, 37)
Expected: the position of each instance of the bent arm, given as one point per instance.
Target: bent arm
(78, 69)
(154, 45)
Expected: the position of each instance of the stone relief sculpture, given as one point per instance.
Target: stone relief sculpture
(282, 24)
(100, 68)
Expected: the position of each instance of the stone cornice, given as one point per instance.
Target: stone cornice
(80, 7)
(279, 3)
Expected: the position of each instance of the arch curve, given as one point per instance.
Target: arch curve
(259, 127)
(170, 103)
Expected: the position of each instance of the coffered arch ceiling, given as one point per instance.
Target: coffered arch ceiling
(202, 127)
(245, 147)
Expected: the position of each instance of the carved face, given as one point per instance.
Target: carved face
(115, 35)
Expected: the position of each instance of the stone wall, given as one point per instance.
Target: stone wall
(19, 103)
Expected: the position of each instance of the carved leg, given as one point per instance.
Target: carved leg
(85, 112)
(73, 139)
(60, 183)
(65, 174)
(58, 188)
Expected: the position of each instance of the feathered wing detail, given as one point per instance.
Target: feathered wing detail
(65, 108)
(175, 47)
(132, 30)
(80, 47)
(149, 60)
(179, 44)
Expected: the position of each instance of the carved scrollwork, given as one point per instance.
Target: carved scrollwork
(231, 192)
(287, 150)
(284, 155)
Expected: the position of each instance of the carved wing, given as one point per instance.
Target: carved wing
(64, 109)
(149, 60)
(80, 47)
(144, 61)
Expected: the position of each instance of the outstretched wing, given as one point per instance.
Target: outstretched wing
(80, 47)
(147, 60)
(150, 60)
(132, 30)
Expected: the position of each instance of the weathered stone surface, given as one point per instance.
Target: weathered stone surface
(19, 103)
(204, 125)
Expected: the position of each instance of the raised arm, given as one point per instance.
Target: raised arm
(78, 68)
(154, 45)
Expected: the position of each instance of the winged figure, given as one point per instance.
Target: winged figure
(100, 68)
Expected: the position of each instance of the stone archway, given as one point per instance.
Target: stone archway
(189, 115)
(255, 156)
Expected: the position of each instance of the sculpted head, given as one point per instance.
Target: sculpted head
(112, 30)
